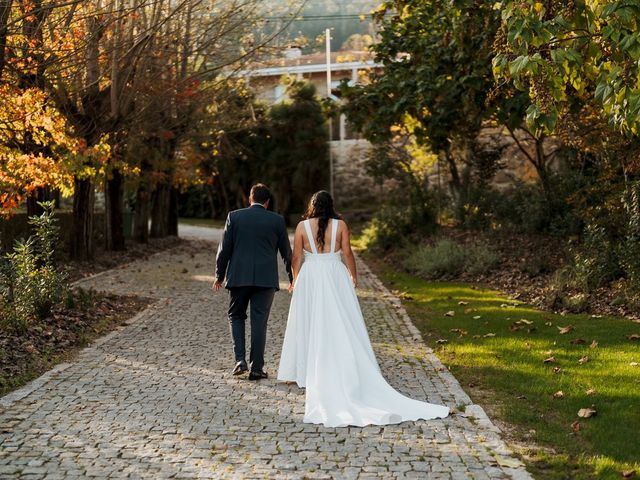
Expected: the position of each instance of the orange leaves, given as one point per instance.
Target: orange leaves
(33, 145)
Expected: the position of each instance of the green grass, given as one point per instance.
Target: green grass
(506, 374)
(202, 222)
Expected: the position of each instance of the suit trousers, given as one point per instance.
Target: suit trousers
(260, 300)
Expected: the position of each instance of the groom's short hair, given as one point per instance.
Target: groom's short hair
(260, 193)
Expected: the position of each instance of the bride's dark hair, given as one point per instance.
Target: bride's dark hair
(321, 207)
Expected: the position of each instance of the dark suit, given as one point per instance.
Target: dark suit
(248, 259)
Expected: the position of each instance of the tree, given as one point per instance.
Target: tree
(298, 163)
(437, 75)
(567, 54)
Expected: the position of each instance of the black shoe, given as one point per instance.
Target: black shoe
(240, 368)
(257, 375)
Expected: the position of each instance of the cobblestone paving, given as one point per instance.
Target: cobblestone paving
(155, 399)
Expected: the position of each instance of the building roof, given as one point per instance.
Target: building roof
(317, 62)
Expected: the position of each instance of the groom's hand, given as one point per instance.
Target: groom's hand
(217, 285)
(290, 288)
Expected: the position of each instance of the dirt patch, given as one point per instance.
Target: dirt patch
(87, 315)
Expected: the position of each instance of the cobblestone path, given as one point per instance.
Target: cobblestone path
(156, 400)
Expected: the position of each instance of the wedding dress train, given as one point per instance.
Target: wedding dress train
(327, 350)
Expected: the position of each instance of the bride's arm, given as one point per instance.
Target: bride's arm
(349, 258)
(297, 252)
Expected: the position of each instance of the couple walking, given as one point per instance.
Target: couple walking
(326, 346)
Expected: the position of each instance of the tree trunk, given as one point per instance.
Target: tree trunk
(41, 194)
(173, 213)
(161, 204)
(82, 235)
(141, 216)
(114, 199)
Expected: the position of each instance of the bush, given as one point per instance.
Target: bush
(30, 283)
(449, 259)
(391, 226)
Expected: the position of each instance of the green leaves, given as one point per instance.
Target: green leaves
(560, 54)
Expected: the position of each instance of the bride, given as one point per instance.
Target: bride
(326, 345)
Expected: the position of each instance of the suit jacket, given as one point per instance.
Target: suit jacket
(248, 253)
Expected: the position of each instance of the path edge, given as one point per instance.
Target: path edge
(473, 411)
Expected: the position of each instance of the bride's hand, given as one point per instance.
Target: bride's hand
(290, 288)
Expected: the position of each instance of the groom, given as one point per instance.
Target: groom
(247, 256)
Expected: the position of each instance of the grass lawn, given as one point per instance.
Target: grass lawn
(202, 222)
(497, 349)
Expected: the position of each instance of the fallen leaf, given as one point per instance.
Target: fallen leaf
(531, 330)
(575, 426)
(549, 360)
(628, 473)
(557, 369)
(633, 364)
(594, 344)
(459, 331)
(521, 397)
(450, 313)
(477, 317)
(524, 321)
(583, 360)
(578, 341)
(462, 302)
(587, 412)
(441, 340)
(634, 336)
(558, 394)
(591, 391)
(487, 335)
(548, 324)
(567, 329)
(477, 336)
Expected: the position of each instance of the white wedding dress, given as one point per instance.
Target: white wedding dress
(327, 350)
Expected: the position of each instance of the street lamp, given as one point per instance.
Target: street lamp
(330, 97)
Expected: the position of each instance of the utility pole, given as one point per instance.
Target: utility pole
(327, 34)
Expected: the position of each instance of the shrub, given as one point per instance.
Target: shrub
(480, 258)
(448, 259)
(445, 258)
(30, 283)
(391, 226)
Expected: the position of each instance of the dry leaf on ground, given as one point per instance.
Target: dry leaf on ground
(587, 412)
(578, 341)
(591, 391)
(557, 369)
(583, 360)
(594, 344)
(633, 336)
(487, 335)
(477, 317)
(558, 394)
(575, 426)
(628, 473)
(563, 330)
(459, 331)
(633, 364)
(462, 302)
(450, 313)
(549, 360)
